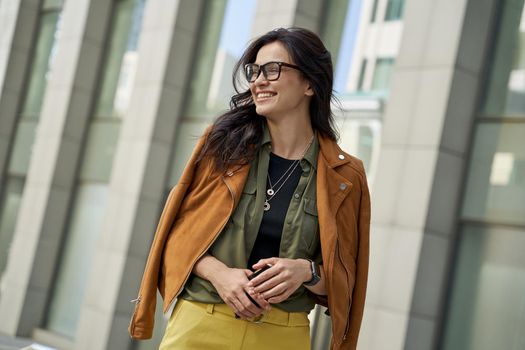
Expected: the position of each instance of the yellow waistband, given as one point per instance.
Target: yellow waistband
(274, 316)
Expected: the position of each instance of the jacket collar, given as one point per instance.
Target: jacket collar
(331, 152)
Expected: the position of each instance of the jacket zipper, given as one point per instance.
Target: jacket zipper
(139, 298)
(209, 245)
(347, 326)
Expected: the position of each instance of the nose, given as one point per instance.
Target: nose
(261, 80)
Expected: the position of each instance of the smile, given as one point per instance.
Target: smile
(263, 95)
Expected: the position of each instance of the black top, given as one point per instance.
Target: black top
(268, 239)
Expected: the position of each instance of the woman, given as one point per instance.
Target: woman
(268, 189)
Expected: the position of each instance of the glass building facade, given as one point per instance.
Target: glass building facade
(91, 191)
(27, 122)
(487, 304)
(143, 120)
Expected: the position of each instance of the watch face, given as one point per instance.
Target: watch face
(317, 270)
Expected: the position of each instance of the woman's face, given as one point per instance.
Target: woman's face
(289, 95)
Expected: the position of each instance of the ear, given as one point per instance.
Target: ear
(309, 91)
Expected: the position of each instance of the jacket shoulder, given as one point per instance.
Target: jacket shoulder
(354, 169)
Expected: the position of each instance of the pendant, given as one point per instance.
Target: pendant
(270, 192)
(266, 206)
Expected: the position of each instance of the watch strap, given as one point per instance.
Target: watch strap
(316, 274)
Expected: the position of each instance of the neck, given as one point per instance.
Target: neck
(290, 137)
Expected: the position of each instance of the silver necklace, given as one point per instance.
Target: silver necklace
(271, 192)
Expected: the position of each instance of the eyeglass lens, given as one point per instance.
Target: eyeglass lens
(270, 70)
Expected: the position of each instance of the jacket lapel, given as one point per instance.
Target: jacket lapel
(330, 181)
(332, 189)
(235, 178)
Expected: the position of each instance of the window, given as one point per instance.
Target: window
(506, 91)
(77, 257)
(9, 210)
(49, 30)
(225, 34)
(362, 73)
(394, 10)
(488, 301)
(361, 137)
(121, 61)
(332, 28)
(495, 188)
(382, 74)
(374, 12)
(339, 32)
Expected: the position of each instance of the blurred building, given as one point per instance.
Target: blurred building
(101, 103)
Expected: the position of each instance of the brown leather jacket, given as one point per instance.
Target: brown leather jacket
(199, 206)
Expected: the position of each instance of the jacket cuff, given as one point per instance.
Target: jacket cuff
(140, 333)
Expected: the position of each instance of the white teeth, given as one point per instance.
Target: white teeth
(265, 94)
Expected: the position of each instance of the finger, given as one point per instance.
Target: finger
(263, 304)
(264, 276)
(249, 306)
(269, 283)
(279, 298)
(261, 263)
(275, 291)
(257, 299)
(238, 308)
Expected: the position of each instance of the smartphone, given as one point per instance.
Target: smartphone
(258, 272)
(252, 276)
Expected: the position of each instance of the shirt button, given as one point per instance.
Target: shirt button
(341, 156)
(342, 186)
(297, 196)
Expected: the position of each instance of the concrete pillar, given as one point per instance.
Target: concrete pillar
(271, 14)
(39, 230)
(140, 168)
(417, 190)
(18, 20)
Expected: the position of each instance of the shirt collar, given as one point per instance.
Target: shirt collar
(266, 135)
(310, 155)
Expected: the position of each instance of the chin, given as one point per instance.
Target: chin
(262, 111)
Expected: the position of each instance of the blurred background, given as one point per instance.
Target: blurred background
(102, 101)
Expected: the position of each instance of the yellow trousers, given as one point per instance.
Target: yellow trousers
(198, 326)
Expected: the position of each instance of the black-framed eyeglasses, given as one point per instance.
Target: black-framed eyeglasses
(270, 70)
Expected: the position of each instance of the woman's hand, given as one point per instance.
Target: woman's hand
(284, 277)
(231, 284)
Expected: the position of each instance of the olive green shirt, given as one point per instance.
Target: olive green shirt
(300, 236)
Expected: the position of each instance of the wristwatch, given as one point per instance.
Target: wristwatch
(316, 274)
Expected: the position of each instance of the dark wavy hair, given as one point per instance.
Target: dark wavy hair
(236, 135)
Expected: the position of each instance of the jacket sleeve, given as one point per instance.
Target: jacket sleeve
(142, 321)
(359, 293)
(141, 324)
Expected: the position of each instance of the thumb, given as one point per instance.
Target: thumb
(263, 262)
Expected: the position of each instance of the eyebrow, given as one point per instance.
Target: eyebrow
(274, 60)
